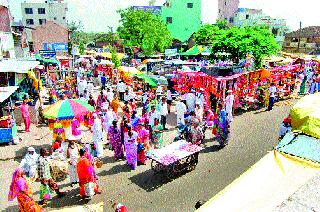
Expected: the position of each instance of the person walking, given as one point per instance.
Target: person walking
(169, 100)
(181, 110)
(103, 81)
(24, 107)
(97, 135)
(21, 189)
(121, 88)
(229, 105)
(114, 135)
(29, 163)
(73, 157)
(164, 113)
(44, 176)
(272, 96)
(130, 142)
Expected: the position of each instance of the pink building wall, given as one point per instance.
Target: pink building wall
(4, 19)
(51, 32)
(227, 9)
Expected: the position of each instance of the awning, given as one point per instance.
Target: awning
(17, 66)
(130, 70)
(5, 92)
(196, 50)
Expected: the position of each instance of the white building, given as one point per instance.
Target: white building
(37, 13)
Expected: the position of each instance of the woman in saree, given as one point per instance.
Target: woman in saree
(114, 134)
(85, 171)
(21, 189)
(130, 143)
(143, 143)
(157, 134)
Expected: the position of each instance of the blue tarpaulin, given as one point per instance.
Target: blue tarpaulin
(299, 145)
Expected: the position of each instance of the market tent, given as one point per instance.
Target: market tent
(300, 145)
(6, 92)
(147, 79)
(265, 185)
(130, 70)
(109, 55)
(305, 115)
(17, 66)
(196, 50)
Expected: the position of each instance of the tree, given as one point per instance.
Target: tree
(114, 58)
(205, 35)
(238, 42)
(145, 30)
(81, 48)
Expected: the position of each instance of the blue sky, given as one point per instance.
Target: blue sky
(97, 15)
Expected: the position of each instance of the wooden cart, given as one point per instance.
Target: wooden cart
(185, 161)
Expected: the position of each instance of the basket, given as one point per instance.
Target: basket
(99, 163)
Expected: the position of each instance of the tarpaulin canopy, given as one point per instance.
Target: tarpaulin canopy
(6, 92)
(109, 55)
(302, 146)
(265, 185)
(17, 66)
(147, 79)
(130, 70)
(305, 115)
(196, 50)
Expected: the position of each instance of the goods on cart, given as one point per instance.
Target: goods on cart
(6, 122)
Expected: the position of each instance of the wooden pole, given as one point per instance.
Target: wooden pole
(299, 36)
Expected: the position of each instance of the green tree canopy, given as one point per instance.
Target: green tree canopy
(145, 30)
(238, 42)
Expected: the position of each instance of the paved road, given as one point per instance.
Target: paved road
(253, 135)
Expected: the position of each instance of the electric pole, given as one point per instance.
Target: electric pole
(299, 37)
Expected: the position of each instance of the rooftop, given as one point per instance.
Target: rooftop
(311, 31)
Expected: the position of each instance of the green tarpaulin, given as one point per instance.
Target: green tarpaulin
(147, 79)
(196, 50)
(45, 61)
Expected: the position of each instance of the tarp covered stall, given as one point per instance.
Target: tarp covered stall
(265, 185)
(305, 115)
(17, 66)
(196, 50)
(6, 92)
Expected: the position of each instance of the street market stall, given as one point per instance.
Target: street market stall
(175, 158)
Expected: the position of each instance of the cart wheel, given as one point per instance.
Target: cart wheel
(193, 162)
(155, 166)
(170, 172)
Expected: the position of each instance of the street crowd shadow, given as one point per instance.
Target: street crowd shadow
(72, 198)
(117, 169)
(13, 208)
(19, 154)
(149, 180)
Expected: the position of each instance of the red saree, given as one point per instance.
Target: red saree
(86, 175)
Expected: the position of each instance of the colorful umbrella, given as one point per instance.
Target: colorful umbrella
(67, 109)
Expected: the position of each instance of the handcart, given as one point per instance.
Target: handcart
(175, 159)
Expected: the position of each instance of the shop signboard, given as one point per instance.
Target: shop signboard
(170, 52)
(58, 47)
(47, 53)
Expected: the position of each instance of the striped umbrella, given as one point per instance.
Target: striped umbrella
(67, 109)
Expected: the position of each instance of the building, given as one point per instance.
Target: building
(37, 14)
(6, 38)
(227, 10)
(156, 10)
(45, 39)
(255, 17)
(20, 38)
(309, 41)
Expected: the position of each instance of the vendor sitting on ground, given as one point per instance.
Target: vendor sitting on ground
(285, 127)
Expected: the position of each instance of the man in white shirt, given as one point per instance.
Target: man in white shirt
(159, 91)
(200, 97)
(90, 87)
(191, 101)
(272, 96)
(164, 112)
(229, 105)
(153, 115)
(127, 96)
(121, 88)
(110, 95)
(181, 109)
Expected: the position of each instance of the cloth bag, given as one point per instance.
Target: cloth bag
(89, 189)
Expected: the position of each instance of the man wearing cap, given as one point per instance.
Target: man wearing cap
(29, 162)
(229, 105)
